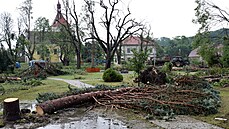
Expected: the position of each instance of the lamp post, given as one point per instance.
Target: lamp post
(154, 56)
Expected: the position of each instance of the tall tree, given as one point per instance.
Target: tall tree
(42, 28)
(41, 34)
(116, 25)
(6, 25)
(26, 16)
(209, 15)
(73, 29)
(63, 40)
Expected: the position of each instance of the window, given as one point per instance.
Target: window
(38, 52)
(55, 51)
(128, 50)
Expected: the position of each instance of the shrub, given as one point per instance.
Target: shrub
(167, 67)
(111, 75)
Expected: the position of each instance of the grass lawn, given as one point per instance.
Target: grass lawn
(223, 111)
(96, 78)
(30, 93)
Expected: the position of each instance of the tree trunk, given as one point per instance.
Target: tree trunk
(119, 54)
(108, 63)
(11, 109)
(108, 60)
(65, 102)
(78, 60)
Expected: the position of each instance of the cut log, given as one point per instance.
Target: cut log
(65, 102)
(11, 109)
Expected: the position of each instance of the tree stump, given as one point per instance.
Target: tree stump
(11, 109)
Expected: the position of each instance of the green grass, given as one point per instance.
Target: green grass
(96, 78)
(32, 92)
(223, 110)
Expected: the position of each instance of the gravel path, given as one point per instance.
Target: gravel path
(75, 83)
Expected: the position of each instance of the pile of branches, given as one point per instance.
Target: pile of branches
(190, 95)
(41, 71)
(151, 75)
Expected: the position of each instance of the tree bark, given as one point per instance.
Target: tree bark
(11, 109)
(57, 104)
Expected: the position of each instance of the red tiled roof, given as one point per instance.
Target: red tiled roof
(134, 40)
(59, 19)
(58, 22)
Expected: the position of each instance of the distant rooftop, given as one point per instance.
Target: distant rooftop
(134, 40)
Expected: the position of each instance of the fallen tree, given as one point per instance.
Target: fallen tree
(68, 101)
(188, 95)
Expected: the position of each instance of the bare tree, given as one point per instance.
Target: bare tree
(116, 24)
(6, 25)
(26, 16)
(73, 29)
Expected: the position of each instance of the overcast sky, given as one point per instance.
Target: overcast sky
(168, 18)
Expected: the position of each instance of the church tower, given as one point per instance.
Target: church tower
(59, 19)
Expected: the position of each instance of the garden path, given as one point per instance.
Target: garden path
(75, 83)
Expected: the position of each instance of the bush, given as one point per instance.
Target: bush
(111, 75)
(167, 67)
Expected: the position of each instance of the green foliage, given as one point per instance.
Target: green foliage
(221, 83)
(137, 63)
(167, 67)
(88, 49)
(80, 72)
(225, 52)
(43, 51)
(46, 96)
(208, 52)
(33, 82)
(210, 100)
(117, 67)
(75, 91)
(111, 75)
(202, 15)
(179, 45)
(218, 71)
(4, 60)
(2, 90)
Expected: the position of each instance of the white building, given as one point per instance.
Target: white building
(134, 42)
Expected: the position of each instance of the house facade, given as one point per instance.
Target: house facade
(134, 42)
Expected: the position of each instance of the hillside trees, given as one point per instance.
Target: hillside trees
(116, 24)
(209, 15)
(178, 46)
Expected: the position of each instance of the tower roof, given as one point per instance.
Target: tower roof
(59, 19)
